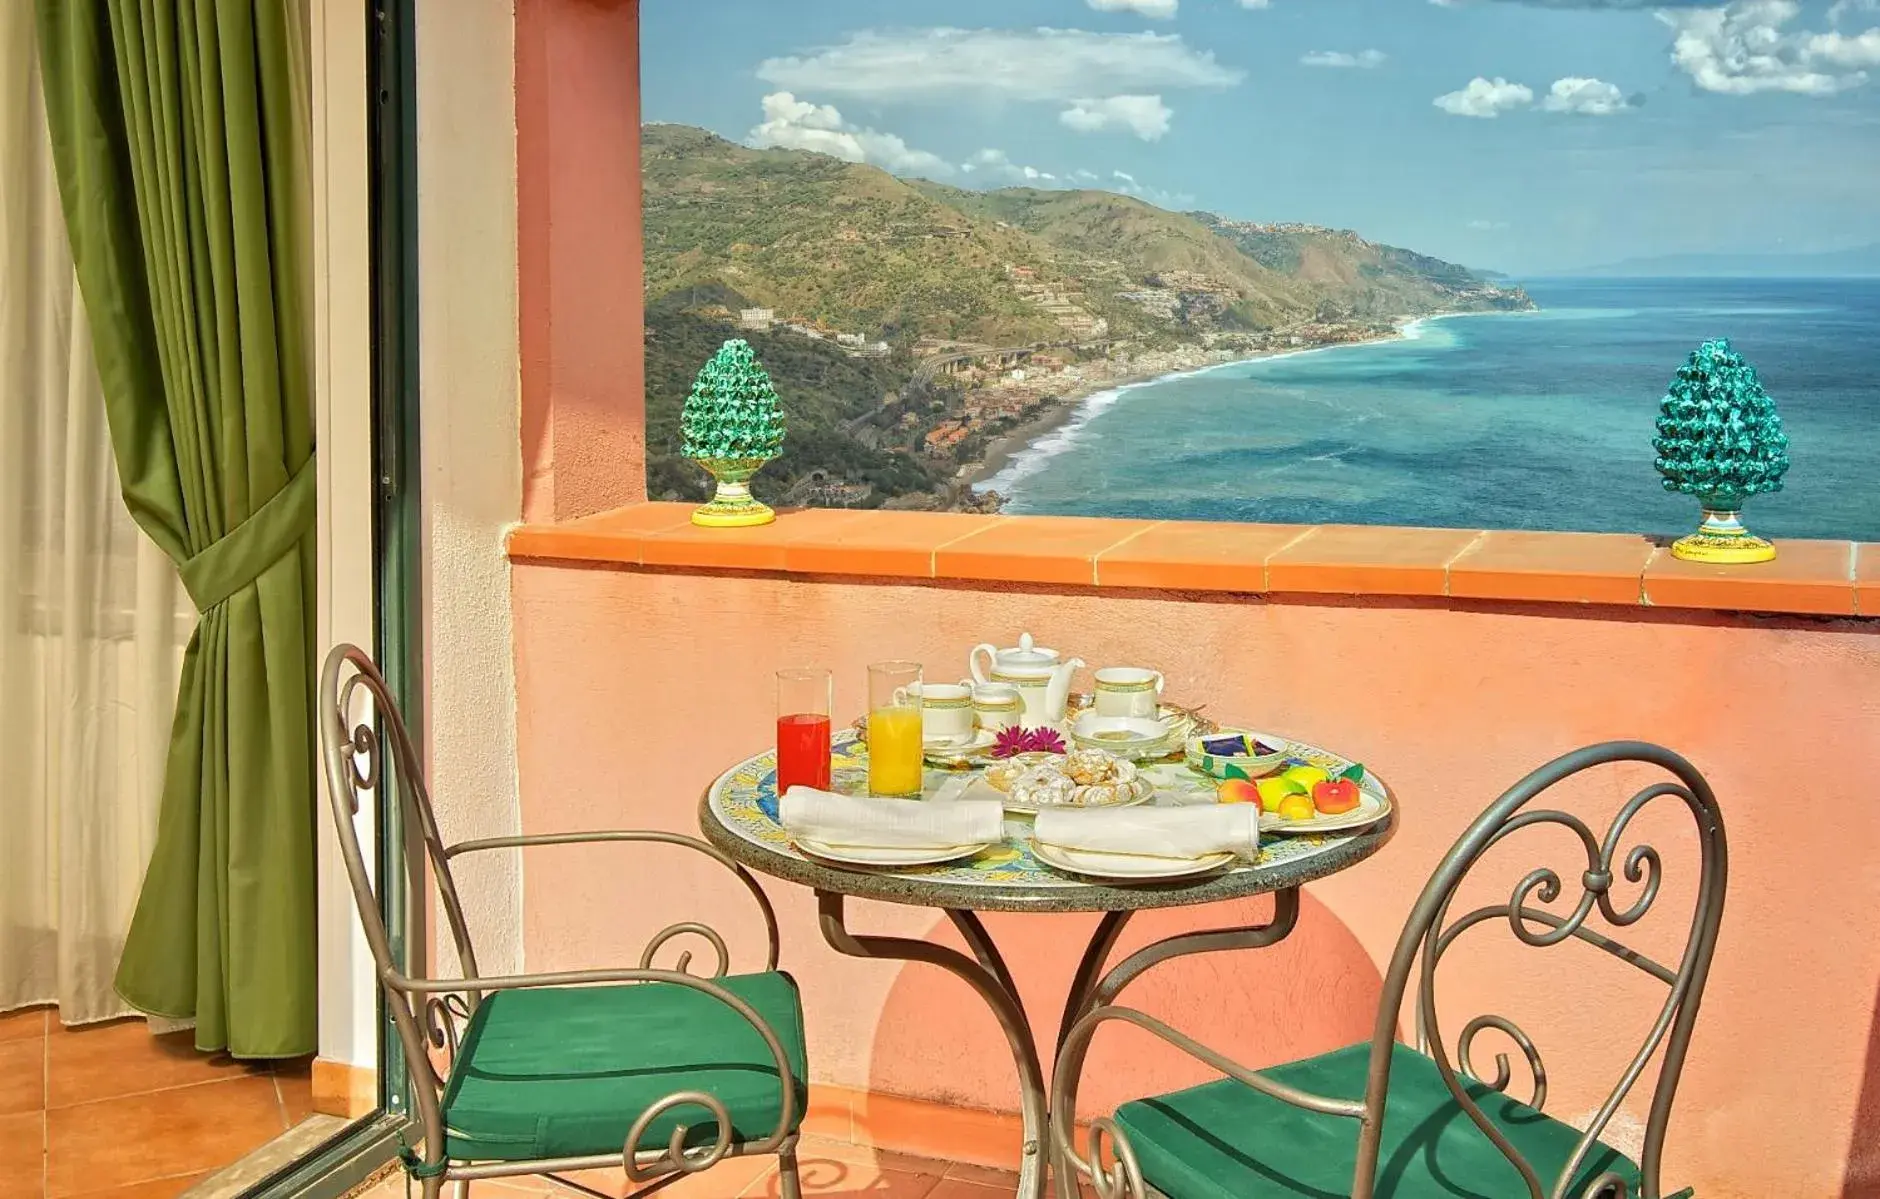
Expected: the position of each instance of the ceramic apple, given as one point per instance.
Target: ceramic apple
(1334, 796)
(1237, 791)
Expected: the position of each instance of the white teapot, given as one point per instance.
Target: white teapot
(1043, 681)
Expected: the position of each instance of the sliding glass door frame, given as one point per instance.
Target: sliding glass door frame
(370, 1143)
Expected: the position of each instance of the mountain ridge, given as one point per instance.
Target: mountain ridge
(909, 325)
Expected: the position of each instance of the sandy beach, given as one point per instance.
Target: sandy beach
(1055, 414)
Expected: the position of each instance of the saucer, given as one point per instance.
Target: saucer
(957, 750)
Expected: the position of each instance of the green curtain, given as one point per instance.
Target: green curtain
(176, 134)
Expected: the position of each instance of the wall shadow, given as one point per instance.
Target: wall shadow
(1862, 1179)
(1315, 991)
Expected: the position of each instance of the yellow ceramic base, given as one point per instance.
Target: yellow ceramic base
(1727, 551)
(1722, 540)
(733, 506)
(733, 516)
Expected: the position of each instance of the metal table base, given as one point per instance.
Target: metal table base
(1091, 987)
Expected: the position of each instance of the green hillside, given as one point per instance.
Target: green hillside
(1090, 278)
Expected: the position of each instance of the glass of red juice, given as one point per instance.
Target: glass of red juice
(804, 698)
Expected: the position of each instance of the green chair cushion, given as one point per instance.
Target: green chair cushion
(564, 1071)
(1225, 1140)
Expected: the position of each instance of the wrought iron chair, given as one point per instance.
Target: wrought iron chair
(579, 1070)
(1380, 1120)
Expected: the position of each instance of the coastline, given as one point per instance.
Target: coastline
(1056, 415)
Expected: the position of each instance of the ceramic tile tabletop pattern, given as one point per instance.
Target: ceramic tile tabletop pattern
(110, 1112)
(1826, 578)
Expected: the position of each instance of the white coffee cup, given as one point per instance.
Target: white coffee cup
(946, 710)
(1128, 691)
(997, 706)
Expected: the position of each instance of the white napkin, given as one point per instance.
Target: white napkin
(1184, 832)
(854, 820)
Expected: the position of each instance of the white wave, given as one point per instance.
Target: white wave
(1030, 460)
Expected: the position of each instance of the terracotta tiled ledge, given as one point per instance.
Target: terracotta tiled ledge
(1828, 578)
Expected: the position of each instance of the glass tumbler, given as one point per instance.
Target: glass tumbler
(894, 749)
(804, 700)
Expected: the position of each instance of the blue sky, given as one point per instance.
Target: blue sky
(1522, 135)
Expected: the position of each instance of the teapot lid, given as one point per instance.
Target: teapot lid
(1027, 654)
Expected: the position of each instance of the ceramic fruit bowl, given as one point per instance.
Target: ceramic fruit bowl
(1236, 755)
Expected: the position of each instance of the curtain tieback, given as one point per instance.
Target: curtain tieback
(240, 556)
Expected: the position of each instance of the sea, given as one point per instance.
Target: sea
(1536, 420)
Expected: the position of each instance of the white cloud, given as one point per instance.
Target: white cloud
(1744, 47)
(793, 124)
(1145, 116)
(1364, 59)
(1485, 98)
(1486, 226)
(1256, 3)
(995, 165)
(1039, 65)
(1842, 9)
(1160, 10)
(1587, 97)
(1128, 185)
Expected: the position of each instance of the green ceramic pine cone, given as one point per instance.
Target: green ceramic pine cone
(733, 411)
(1719, 435)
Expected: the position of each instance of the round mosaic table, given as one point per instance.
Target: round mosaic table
(738, 814)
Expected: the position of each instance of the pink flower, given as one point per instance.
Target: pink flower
(1014, 741)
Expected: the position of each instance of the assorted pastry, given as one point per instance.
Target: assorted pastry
(1085, 778)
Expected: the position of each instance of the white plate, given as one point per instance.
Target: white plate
(885, 856)
(1126, 867)
(979, 788)
(1371, 808)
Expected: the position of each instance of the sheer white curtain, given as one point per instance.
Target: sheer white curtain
(92, 619)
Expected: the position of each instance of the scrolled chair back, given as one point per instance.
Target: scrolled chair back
(356, 743)
(1534, 914)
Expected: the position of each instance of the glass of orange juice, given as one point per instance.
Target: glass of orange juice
(894, 751)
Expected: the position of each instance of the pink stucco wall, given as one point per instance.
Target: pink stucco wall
(579, 286)
(636, 687)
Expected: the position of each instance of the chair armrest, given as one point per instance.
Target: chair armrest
(674, 1158)
(1124, 1177)
(653, 836)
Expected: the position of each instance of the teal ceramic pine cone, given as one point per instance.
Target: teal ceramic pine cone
(1720, 439)
(732, 424)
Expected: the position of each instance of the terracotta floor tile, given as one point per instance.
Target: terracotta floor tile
(1584, 568)
(1866, 580)
(22, 1076)
(959, 1188)
(984, 1176)
(161, 1188)
(822, 1174)
(101, 1061)
(1361, 560)
(1191, 555)
(1036, 549)
(135, 1138)
(1807, 576)
(296, 1092)
(23, 1155)
(24, 1023)
(892, 544)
